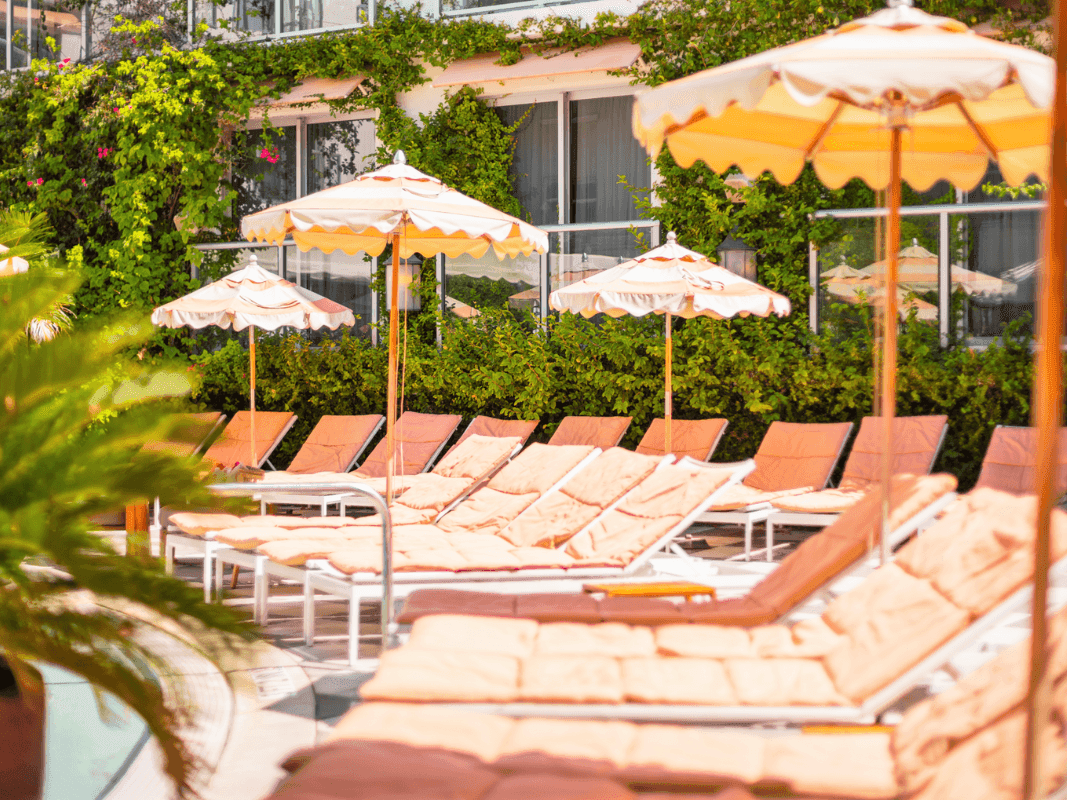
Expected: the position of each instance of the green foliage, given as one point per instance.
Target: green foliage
(750, 371)
(73, 420)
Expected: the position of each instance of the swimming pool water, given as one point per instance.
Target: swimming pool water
(85, 752)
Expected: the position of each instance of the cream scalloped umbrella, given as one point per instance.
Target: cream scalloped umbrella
(412, 211)
(673, 281)
(252, 298)
(900, 95)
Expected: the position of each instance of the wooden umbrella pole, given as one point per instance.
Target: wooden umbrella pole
(1047, 413)
(889, 330)
(254, 461)
(668, 404)
(390, 395)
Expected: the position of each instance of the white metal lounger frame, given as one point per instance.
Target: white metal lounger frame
(264, 569)
(813, 519)
(355, 588)
(759, 512)
(865, 713)
(155, 528)
(323, 501)
(203, 547)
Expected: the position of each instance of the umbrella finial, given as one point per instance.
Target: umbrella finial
(253, 261)
(672, 238)
(400, 158)
(914, 242)
(899, 3)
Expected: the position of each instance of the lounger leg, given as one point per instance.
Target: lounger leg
(748, 539)
(220, 570)
(353, 626)
(309, 612)
(770, 540)
(207, 573)
(259, 592)
(168, 556)
(322, 508)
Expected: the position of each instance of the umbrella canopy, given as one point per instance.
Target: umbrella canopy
(398, 200)
(13, 265)
(842, 272)
(253, 296)
(963, 98)
(918, 270)
(668, 280)
(249, 298)
(673, 281)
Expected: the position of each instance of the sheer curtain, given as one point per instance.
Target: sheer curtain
(336, 152)
(602, 151)
(534, 162)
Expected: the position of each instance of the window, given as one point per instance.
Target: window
(589, 222)
(27, 25)
(306, 157)
(271, 17)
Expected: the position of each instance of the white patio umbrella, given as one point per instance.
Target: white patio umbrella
(249, 298)
(13, 265)
(673, 281)
(899, 95)
(412, 211)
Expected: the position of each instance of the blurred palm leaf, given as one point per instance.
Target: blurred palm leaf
(75, 415)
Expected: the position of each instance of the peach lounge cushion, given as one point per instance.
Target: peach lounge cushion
(602, 432)
(499, 428)
(234, 444)
(418, 438)
(865, 638)
(1009, 461)
(963, 744)
(815, 561)
(695, 438)
(794, 455)
(915, 444)
(334, 443)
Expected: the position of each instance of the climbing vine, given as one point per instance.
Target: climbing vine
(131, 158)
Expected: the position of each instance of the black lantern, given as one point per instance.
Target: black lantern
(737, 257)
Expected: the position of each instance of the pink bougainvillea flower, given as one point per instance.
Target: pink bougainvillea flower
(40, 181)
(84, 182)
(116, 109)
(29, 183)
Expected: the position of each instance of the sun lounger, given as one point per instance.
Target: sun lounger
(191, 432)
(459, 473)
(520, 430)
(1009, 461)
(235, 443)
(332, 447)
(818, 562)
(793, 458)
(618, 542)
(537, 472)
(491, 426)
(916, 444)
(963, 744)
(602, 432)
(420, 438)
(696, 438)
(966, 574)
